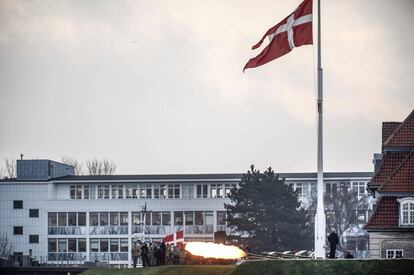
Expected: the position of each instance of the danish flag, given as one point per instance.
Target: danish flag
(177, 238)
(293, 31)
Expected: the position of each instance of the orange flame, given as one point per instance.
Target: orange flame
(214, 250)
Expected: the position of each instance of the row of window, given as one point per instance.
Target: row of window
(149, 191)
(121, 218)
(79, 245)
(33, 213)
(307, 189)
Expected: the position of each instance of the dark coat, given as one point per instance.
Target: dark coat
(333, 239)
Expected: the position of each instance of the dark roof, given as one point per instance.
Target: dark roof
(197, 177)
(390, 161)
(402, 178)
(403, 136)
(388, 128)
(385, 215)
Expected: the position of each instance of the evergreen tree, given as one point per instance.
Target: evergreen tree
(266, 214)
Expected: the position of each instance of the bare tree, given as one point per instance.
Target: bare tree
(5, 246)
(1, 172)
(10, 168)
(108, 167)
(100, 167)
(75, 163)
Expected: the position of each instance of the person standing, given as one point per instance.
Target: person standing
(144, 255)
(333, 242)
(135, 251)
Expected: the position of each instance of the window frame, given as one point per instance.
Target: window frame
(409, 201)
(34, 213)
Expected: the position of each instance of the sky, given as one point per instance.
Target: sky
(157, 86)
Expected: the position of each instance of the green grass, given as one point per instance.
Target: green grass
(279, 267)
(168, 269)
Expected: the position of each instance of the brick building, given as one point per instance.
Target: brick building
(391, 226)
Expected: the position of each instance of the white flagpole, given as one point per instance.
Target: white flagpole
(320, 220)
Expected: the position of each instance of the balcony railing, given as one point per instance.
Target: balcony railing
(67, 256)
(67, 230)
(108, 230)
(108, 256)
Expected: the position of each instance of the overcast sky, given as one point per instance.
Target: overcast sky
(157, 86)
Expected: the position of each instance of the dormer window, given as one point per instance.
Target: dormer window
(406, 211)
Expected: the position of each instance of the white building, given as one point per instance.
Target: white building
(62, 218)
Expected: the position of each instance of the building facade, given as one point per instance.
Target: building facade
(391, 226)
(68, 219)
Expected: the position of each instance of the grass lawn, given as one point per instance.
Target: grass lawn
(279, 267)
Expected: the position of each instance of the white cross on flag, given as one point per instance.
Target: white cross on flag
(293, 31)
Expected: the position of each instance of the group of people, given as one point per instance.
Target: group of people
(333, 240)
(154, 254)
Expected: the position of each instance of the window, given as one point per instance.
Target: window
(103, 245)
(100, 191)
(94, 245)
(358, 188)
(103, 218)
(17, 204)
(160, 191)
(52, 218)
(361, 216)
(189, 217)
(62, 245)
(124, 245)
(199, 218)
(178, 218)
(78, 192)
(93, 219)
(114, 245)
(62, 219)
(129, 191)
(209, 218)
(166, 218)
(72, 245)
(331, 188)
(221, 217)
(202, 190)
(72, 192)
(106, 191)
(51, 245)
(86, 192)
(92, 191)
(406, 211)
(135, 192)
(81, 245)
(123, 218)
(216, 191)
(18, 230)
(188, 191)
(114, 191)
(146, 191)
(156, 218)
(72, 218)
(227, 188)
(33, 213)
(120, 191)
(114, 218)
(136, 218)
(147, 218)
(82, 219)
(394, 253)
(173, 191)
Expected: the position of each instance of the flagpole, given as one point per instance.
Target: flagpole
(320, 220)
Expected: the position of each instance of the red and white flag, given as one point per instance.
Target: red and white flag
(293, 31)
(177, 238)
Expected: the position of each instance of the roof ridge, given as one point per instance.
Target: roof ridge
(396, 169)
(396, 131)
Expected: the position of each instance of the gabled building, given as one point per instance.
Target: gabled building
(391, 226)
